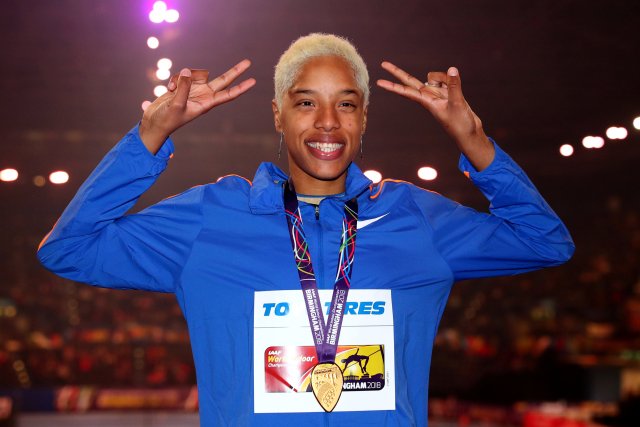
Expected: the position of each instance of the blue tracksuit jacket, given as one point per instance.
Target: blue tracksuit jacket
(224, 250)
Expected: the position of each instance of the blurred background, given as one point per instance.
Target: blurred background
(556, 83)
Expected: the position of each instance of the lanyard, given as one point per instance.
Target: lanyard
(325, 335)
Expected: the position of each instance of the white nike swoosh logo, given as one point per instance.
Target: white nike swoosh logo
(365, 222)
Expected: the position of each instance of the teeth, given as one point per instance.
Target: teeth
(325, 147)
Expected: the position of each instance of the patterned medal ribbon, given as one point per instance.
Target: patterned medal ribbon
(326, 378)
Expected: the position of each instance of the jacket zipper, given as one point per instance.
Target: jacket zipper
(318, 271)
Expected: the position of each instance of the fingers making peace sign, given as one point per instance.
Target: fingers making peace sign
(190, 95)
(442, 96)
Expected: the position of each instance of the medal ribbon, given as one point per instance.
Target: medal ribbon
(325, 335)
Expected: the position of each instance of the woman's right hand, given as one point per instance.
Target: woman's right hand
(190, 95)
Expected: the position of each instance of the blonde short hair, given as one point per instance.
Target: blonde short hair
(312, 46)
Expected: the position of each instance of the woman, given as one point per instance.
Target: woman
(237, 253)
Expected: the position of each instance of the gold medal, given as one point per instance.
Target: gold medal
(326, 383)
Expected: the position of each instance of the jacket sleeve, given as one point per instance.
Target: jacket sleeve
(522, 233)
(96, 243)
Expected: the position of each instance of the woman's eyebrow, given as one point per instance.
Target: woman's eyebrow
(350, 92)
(313, 92)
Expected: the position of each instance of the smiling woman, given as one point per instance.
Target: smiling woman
(320, 108)
(322, 118)
(238, 253)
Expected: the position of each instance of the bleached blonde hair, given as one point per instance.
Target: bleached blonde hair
(313, 46)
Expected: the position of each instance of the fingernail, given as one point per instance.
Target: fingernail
(453, 71)
(185, 72)
(171, 85)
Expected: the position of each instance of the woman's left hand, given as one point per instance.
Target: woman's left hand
(442, 96)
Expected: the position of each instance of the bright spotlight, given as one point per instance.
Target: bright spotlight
(427, 173)
(636, 123)
(145, 105)
(616, 133)
(163, 74)
(8, 175)
(159, 90)
(159, 12)
(566, 150)
(373, 175)
(593, 142)
(156, 16)
(153, 42)
(160, 5)
(58, 177)
(164, 64)
(171, 16)
(622, 133)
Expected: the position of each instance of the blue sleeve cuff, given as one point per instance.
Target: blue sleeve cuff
(465, 166)
(134, 149)
(164, 153)
(492, 178)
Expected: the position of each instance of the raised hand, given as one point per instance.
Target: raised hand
(190, 95)
(442, 96)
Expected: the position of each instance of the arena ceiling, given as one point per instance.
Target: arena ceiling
(538, 73)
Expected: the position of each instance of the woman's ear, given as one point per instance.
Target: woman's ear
(276, 116)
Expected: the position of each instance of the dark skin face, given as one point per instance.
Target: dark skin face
(323, 117)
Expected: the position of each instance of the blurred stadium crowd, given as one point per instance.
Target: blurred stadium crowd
(545, 336)
(54, 332)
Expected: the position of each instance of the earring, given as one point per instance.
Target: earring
(361, 152)
(280, 145)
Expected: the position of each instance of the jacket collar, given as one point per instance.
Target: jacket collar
(266, 193)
